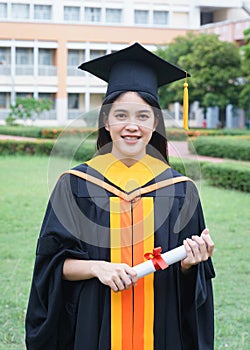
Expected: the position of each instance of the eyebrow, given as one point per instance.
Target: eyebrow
(140, 111)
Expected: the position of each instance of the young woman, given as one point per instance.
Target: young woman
(104, 216)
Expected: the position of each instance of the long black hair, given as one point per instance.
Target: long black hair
(157, 146)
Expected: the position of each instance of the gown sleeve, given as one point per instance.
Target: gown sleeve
(196, 296)
(55, 244)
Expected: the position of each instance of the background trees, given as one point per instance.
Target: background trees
(27, 108)
(244, 97)
(215, 69)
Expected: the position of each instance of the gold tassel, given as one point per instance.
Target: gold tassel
(185, 104)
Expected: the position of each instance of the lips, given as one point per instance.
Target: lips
(130, 137)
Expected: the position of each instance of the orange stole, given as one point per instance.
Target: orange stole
(132, 311)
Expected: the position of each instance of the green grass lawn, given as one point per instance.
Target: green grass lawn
(24, 192)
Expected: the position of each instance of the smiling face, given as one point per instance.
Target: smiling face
(130, 122)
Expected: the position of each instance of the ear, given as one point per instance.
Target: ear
(105, 121)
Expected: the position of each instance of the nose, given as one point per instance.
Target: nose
(131, 126)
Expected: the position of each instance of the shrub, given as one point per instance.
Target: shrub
(53, 133)
(190, 168)
(38, 147)
(74, 148)
(20, 130)
(67, 148)
(222, 147)
(228, 175)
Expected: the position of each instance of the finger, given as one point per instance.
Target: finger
(209, 243)
(197, 255)
(205, 231)
(113, 286)
(202, 252)
(189, 250)
(189, 260)
(132, 274)
(119, 282)
(126, 279)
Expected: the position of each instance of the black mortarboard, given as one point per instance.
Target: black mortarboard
(134, 69)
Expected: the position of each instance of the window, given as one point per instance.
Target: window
(160, 17)
(73, 101)
(24, 95)
(47, 96)
(113, 15)
(24, 56)
(207, 17)
(3, 100)
(45, 62)
(20, 11)
(4, 55)
(45, 57)
(141, 17)
(42, 12)
(72, 13)
(3, 10)
(96, 53)
(92, 14)
(4, 61)
(75, 57)
(24, 61)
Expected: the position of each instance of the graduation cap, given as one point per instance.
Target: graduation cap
(134, 69)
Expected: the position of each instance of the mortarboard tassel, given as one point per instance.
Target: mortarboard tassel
(185, 104)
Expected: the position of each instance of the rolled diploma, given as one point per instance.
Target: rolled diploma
(170, 258)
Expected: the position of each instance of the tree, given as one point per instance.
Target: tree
(214, 66)
(28, 107)
(244, 97)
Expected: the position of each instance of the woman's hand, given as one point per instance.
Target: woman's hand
(198, 249)
(117, 276)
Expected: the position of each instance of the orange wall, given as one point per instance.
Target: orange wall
(83, 33)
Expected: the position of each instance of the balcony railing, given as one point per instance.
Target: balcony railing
(47, 70)
(73, 71)
(5, 69)
(45, 115)
(42, 70)
(24, 69)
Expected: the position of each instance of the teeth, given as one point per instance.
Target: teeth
(131, 137)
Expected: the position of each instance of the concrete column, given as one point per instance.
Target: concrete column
(212, 117)
(13, 72)
(177, 113)
(62, 97)
(61, 110)
(87, 101)
(232, 119)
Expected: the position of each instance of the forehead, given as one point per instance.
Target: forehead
(131, 100)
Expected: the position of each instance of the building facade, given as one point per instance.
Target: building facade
(43, 42)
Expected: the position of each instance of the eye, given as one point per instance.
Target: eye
(120, 116)
(143, 116)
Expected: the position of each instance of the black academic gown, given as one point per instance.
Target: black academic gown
(76, 315)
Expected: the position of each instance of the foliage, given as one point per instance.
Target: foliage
(74, 148)
(173, 134)
(28, 107)
(214, 66)
(46, 132)
(190, 168)
(68, 147)
(53, 133)
(223, 147)
(244, 100)
(228, 175)
(38, 147)
(21, 130)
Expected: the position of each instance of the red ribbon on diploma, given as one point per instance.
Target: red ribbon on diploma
(156, 258)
